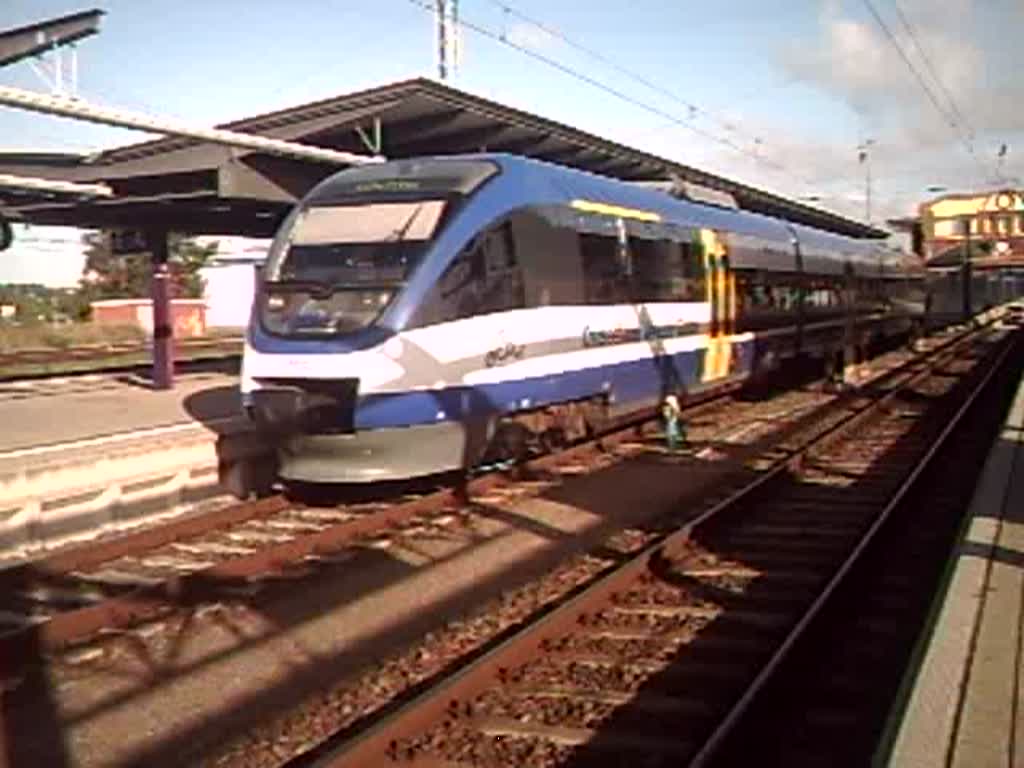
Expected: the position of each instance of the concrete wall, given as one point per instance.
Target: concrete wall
(188, 316)
(230, 279)
(229, 293)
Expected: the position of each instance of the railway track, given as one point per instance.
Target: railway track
(72, 596)
(103, 351)
(110, 358)
(841, 680)
(689, 630)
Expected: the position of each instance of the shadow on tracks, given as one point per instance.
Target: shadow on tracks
(711, 671)
(31, 730)
(38, 726)
(277, 614)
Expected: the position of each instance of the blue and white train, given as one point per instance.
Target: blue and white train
(421, 315)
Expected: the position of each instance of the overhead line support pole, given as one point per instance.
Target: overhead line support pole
(442, 39)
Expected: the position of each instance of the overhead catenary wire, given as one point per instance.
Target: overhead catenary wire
(947, 117)
(693, 109)
(954, 107)
(959, 115)
(617, 93)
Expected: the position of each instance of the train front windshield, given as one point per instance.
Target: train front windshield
(337, 267)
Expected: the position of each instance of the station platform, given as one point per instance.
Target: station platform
(965, 704)
(48, 412)
(88, 455)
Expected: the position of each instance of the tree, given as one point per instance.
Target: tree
(107, 275)
(187, 259)
(33, 303)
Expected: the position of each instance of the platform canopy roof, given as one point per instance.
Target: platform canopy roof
(191, 186)
(33, 39)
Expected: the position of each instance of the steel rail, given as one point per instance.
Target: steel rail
(452, 694)
(65, 628)
(732, 719)
(99, 350)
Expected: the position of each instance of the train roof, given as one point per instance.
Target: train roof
(553, 183)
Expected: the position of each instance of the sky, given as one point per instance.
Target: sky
(778, 94)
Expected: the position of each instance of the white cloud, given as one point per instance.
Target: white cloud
(855, 60)
(530, 36)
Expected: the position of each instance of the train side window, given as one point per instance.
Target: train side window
(485, 277)
(695, 275)
(823, 294)
(657, 269)
(667, 270)
(603, 278)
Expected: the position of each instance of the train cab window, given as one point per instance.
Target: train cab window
(333, 269)
(484, 278)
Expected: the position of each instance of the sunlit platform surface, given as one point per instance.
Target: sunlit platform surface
(47, 412)
(963, 707)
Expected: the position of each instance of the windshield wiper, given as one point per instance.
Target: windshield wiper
(323, 290)
(312, 287)
(399, 233)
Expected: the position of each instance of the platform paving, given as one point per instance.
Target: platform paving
(49, 412)
(93, 455)
(965, 706)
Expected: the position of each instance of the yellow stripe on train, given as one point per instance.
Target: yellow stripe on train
(589, 206)
(718, 354)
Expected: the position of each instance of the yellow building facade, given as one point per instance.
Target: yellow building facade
(994, 221)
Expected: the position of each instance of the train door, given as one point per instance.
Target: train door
(721, 296)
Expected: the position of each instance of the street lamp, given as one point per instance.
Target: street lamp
(864, 158)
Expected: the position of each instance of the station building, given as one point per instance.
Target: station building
(992, 222)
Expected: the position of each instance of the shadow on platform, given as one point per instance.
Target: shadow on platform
(214, 407)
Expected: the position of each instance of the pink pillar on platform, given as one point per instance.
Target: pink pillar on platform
(163, 329)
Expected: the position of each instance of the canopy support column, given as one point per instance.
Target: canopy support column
(163, 328)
